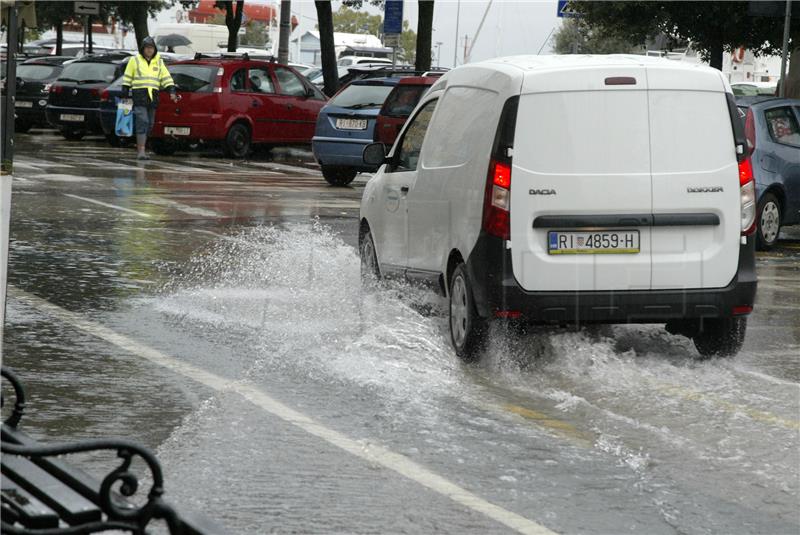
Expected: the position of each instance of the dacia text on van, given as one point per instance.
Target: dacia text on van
(573, 189)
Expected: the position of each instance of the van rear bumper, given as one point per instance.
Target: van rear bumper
(496, 289)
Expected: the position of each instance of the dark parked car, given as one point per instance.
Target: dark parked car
(34, 78)
(773, 137)
(109, 98)
(74, 102)
(347, 125)
(399, 105)
(236, 102)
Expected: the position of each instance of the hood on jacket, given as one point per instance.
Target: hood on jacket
(148, 41)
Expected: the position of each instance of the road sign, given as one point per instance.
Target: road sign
(391, 40)
(566, 10)
(393, 17)
(87, 8)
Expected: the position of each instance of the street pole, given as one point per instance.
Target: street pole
(785, 51)
(286, 29)
(455, 47)
(7, 126)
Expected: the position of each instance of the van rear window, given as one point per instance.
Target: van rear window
(193, 78)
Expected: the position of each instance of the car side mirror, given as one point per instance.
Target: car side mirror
(374, 154)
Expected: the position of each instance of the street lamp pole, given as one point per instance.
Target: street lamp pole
(785, 50)
(455, 46)
(438, 53)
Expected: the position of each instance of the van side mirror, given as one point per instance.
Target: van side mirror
(374, 154)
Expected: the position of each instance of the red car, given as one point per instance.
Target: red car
(399, 105)
(236, 102)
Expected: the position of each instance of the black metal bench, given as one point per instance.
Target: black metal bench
(43, 494)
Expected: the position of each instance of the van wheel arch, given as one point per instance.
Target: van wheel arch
(363, 228)
(453, 260)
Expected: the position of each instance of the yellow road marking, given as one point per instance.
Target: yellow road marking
(559, 427)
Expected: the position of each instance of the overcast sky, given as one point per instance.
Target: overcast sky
(511, 26)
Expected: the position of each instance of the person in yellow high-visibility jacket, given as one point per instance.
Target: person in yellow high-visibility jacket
(145, 75)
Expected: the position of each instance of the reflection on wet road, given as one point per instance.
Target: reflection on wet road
(214, 311)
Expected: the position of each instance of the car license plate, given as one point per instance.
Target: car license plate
(177, 130)
(72, 118)
(594, 242)
(351, 124)
(23, 104)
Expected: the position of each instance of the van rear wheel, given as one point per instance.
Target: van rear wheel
(338, 176)
(370, 272)
(467, 329)
(720, 337)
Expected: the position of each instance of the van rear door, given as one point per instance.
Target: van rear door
(696, 199)
(581, 172)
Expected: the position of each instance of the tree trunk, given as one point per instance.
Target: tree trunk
(233, 20)
(424, 34)
(89, 33)
(715, 51)
(286, 29)
(330, 72)
(793, 77)
(59, 38)
(140, 23)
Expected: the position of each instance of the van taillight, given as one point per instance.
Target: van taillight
(747, 191)
(496, 211)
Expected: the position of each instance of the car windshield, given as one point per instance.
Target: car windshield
(360, 96)
(193, 78)
(403, 99)
(37, 72)
(89, 72)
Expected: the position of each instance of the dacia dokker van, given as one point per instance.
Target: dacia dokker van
(573, 189)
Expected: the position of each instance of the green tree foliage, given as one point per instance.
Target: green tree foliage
(255, 35)
(712, 27)
(576, 37)
(352, 21)
(407, 53)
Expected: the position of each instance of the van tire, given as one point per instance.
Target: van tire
(720, 337)
(769, 222)
(237, 142)
(467, 330)
(338, 176)
(163, 147)
(72, 135)
(370, 271)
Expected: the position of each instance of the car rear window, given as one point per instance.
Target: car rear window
(193, 78)
(402, 101)
(362, 96)
(89, 72)
(782, 126)
(37, 72)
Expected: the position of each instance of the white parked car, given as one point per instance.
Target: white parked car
(571, 189)
(347, 61)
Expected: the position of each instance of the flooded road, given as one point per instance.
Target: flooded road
(214, 312)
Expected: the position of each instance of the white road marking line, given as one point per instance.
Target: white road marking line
(107, 205)
(185, 208)
(371, 453)
(20, 179)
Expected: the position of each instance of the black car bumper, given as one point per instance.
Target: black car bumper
(90, 122)
(33, 115)
(497, 293)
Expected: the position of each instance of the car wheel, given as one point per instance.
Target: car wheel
(72, 135)
(237, 142)
(370, 271)
(720, 337)
(21, 127)
(769, 222)
(467, 329)
(163, 147)
(338, 176)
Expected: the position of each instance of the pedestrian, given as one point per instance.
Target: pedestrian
(144, 77)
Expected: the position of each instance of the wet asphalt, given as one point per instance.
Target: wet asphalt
(211, 309)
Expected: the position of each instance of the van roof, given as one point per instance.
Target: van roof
(530, 71)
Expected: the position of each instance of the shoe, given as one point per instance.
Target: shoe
(142, 157)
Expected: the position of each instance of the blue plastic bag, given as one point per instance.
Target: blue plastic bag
(124, 125)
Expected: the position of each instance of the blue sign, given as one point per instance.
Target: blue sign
(393, 16)
(565, 9)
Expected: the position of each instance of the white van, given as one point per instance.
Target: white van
(204, 37)
(571, 189)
